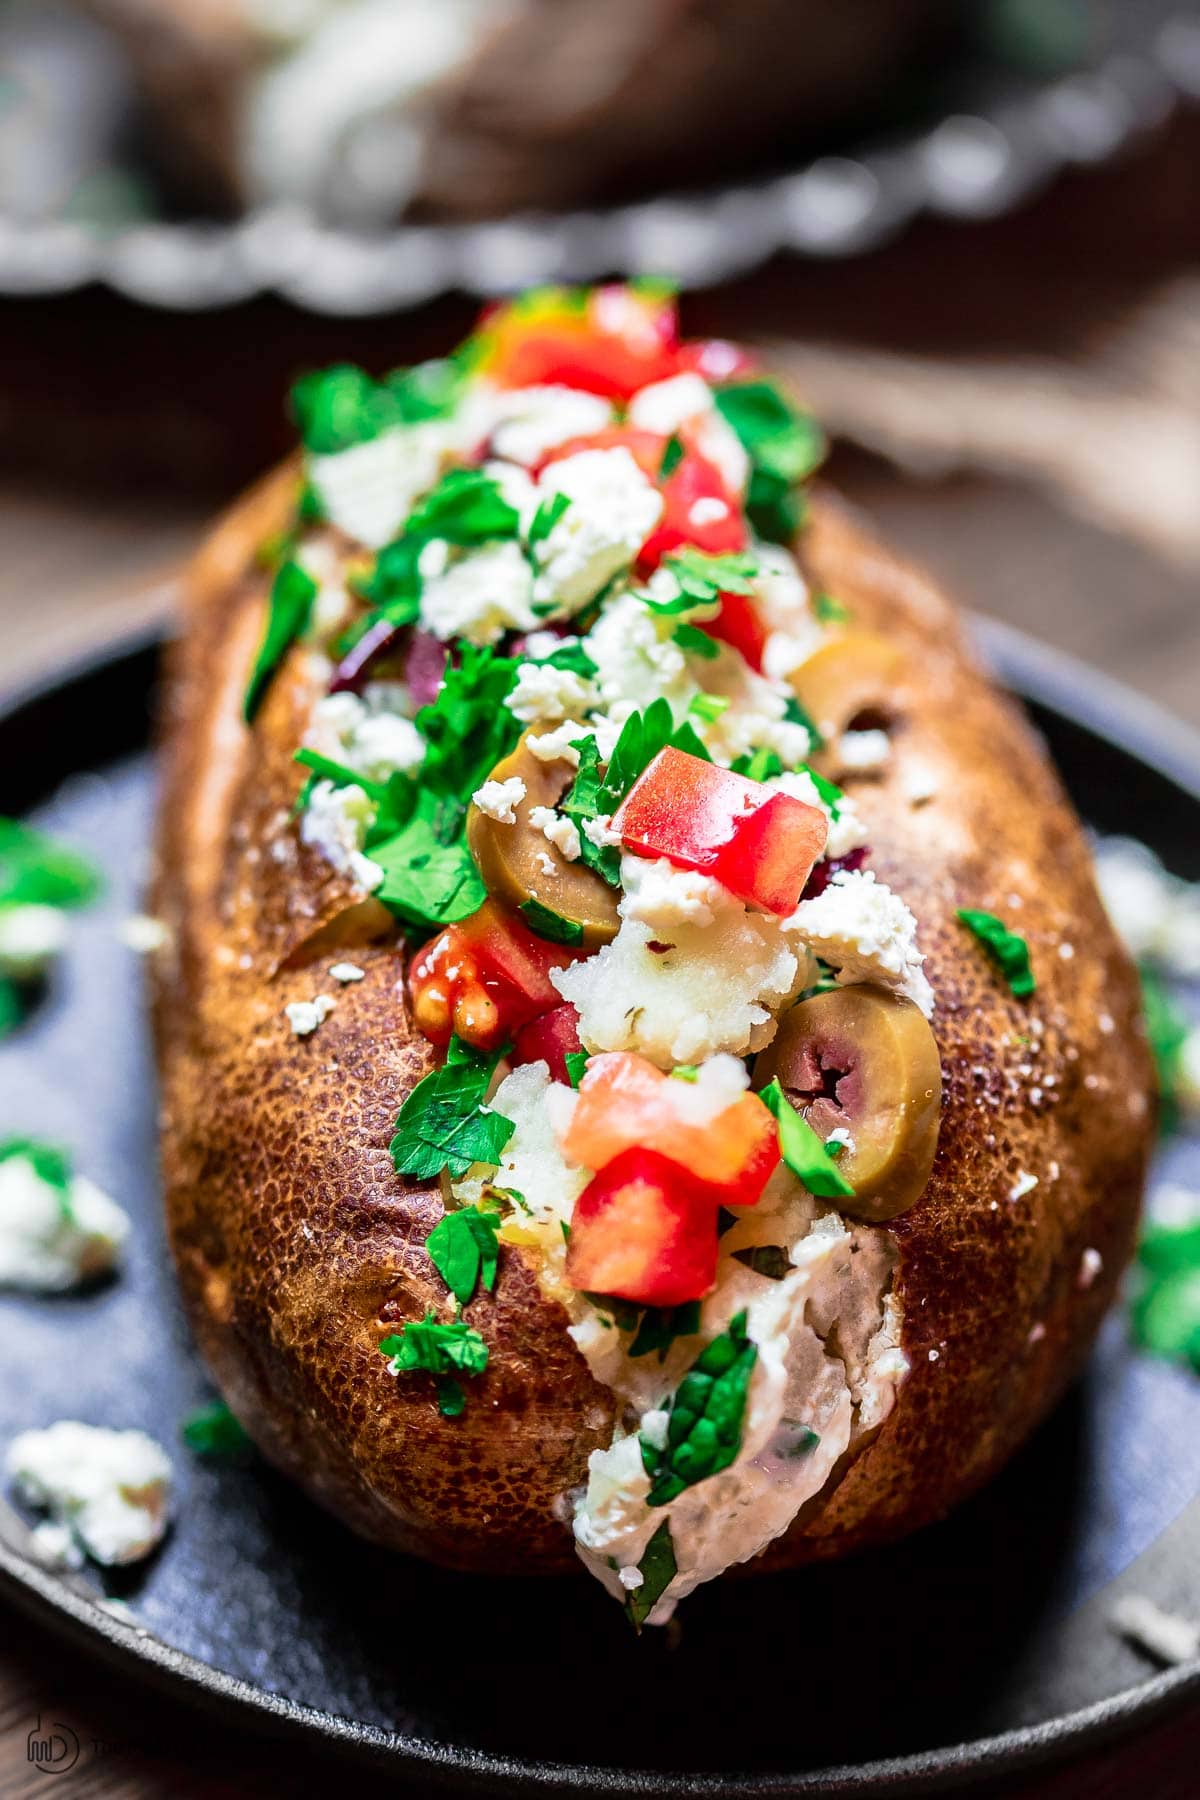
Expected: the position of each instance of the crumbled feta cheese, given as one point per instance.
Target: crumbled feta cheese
(305, 1015)
(1090, 1265)
(599, 831)
(369, 735)
(847, 831)
(707, 510)
(546, 863)
(557, 745)
(481, 594)
(537, 419)
(54, 1547)
(51, 1241)
(867, 933)
(1024, 1184)
(634, 665)
(543, 694)
(613, 510)
(500, 799)
(31, 937)
(666, 405)
(630, 1578)
(715, 987)
(662, 896)
(346, 971)
(369, 490)
(864, 752)
(386, 745)
(1167, 1637)
(144, 934)
(110, 1489)
(557, 830)
(335, 822)
(531, 1161)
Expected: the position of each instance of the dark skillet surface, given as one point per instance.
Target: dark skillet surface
(991, 1623)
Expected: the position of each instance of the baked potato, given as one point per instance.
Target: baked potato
(646, 1074)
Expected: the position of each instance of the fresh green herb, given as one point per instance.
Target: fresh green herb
(213, 1431)
(795, 714)
(441, 1350)
(443, 1124)
(35, 871)
(393, 589)
(550, 925)
(340, 774)
(803, 1442)
(684, 738)
(1008, 951)
(824, 984)
(695, 642)
(766, 1259)
(835, 1147)
(829, 791)
(828, 610)
(702, 579)
(685, 1072)
(576, 1062)
(726, 1220)
(593, 795)
(784, 447)
(341, 406)
(708, 707)
(582, 803)
(508, 1193)
(704, 1429)
(572, 657)
(463, 1249)
(309, 510)
(802, 1150)
(427, 884)
(672, 456)
(467, 727)
(290, 608)
(1167, 1031)
(465, 508)
(758, 765)
(546, 518)
(1165, 1313)
(658, 1569)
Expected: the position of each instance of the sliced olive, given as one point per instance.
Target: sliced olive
(519, 863)
(850, 683)
(865, 1061)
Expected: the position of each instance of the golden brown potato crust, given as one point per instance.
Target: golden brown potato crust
(298, 1247)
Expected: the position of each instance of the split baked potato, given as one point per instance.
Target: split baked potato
(733, 1163)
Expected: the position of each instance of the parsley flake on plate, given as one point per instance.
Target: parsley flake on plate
(802, 1150)
(463, 1250)
(441, 1350)
(658, 1569)
(1009, 952)
(49, 1164)
(36, 871)
(212, 1431)
(702, 578)
(704, 1428)
(443, 1124)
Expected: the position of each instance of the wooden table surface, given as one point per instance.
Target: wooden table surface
(1018, 405)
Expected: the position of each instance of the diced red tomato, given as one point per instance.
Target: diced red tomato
(645, 447)
(740, 624)
(551, 1038)
(694, 479)
(642, 1232)
(624, 1101)
(483, 979)
(760, 844)
(612, 342)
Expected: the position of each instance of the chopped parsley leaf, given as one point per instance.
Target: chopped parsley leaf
(829, 611)
(653, 1328)
(289, 610)
(465, 508)
(709, 707)
(672, 456)
(704, 1429)
(467, 726)
(36, 871)
(49, 1164)
(463, 1249)
(702, 579)
(341, 406)
(441, 1350)
(802, 1150)
(572, 657)
(770, 1260)
(427, 883)
(694, 642)
(658, 1570)
(1167, 1031)
(829, 791)
(784, 447)
(795, 714)
(1009, 952)
(442, 1124)
(576, 1062)
(213, 1431)
(546, 518)
(758, 765)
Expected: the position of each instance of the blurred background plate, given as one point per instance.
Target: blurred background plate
(979, 1648)
(1024, 89)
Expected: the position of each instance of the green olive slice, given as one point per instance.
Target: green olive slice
(866, 1061)
(518, 863)
(850, 681)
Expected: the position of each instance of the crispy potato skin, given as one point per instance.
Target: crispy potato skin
(298, 1247)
